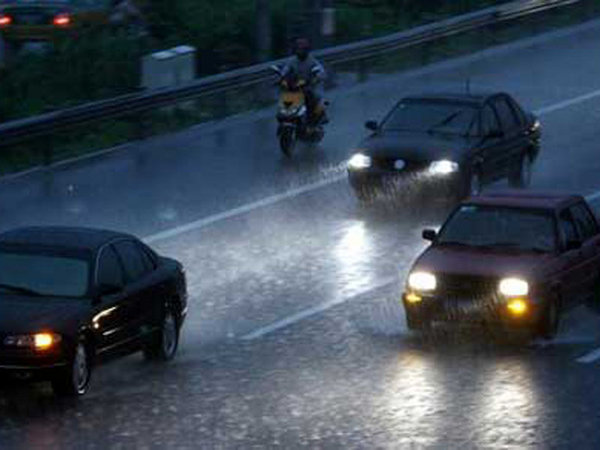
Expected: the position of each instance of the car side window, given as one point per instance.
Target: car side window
(508, 119)
(519, 113)
(489, 121)
(584, 221)
(568, 227)
(132, 258)
(110, 271)
(147, 258)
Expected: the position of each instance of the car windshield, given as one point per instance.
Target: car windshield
(432, 116)
(500, 227)
(52, 275)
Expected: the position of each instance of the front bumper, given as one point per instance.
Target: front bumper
(24, 365)
(406, 183)
(487, 310)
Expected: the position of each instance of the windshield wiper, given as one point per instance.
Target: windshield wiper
(446, 121)
(21, 290)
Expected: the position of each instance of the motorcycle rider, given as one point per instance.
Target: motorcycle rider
(308, 68)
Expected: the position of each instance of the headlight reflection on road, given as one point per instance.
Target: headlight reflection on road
(509, 408)
(416, 401)
(352, 253)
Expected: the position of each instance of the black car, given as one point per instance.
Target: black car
(73, 297)
(448, 143)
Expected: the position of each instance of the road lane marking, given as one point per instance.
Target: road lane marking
(566, 103)
(267, 201)
(315, 310)
(590, 357)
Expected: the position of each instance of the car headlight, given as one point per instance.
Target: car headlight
(513, 287)
(37, 341)
(443, 167)
(422, 281)
(359, 161)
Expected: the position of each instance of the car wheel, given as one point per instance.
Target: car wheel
(164, 344)
(521, 175)
(75, 379)
(550, 320)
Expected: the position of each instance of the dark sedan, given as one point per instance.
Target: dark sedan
(510, 259)
(73, 297)
(453, 143)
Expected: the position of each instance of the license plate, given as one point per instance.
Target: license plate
(31, 19)
(461, 307)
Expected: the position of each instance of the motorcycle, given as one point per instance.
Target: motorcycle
(296, 123)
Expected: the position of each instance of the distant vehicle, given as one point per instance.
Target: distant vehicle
(452, 144)
(31, 20)
(296, 121)
(73, 297)
(517, 260)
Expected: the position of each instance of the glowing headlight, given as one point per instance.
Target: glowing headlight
(359, 161)
(422, 281)
(513, 287)
(443, 167)
(38, 341)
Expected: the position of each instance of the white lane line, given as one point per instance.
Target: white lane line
(283, 323)
(566, 103)
(590, 357)
(267, 201)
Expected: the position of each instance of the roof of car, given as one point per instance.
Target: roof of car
(64, 237)
(525, 199)
(475, 98)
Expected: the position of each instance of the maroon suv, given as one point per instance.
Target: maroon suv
(512, 259)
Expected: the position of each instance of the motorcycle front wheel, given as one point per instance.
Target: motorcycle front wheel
(287, 141)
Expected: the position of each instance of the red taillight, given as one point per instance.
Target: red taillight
(5, 20)
(62, 20)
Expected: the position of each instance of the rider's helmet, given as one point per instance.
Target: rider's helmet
(302, 48)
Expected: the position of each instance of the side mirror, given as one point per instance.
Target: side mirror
(429, 235)
(372, 125)
(105, 290)
(573, 245)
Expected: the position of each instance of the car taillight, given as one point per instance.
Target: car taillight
(62, 20)
(5, 20)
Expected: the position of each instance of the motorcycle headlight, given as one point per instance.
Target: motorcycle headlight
(359, 161)
(422, 281)
(513, 287)
(443, 167)
(37, 341)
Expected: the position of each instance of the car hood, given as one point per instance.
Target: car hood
(418, 147)
(481, 262)
(20, 314)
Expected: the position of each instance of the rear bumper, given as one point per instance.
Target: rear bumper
(484, 310)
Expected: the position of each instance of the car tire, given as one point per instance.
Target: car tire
(164, 344)
(74, 380)
(549, 320)
(521, 175)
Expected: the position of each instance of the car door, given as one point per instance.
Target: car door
(486, 153)
(573, 274)
(139, 287)
(513, 141)
(112, 315)
(590, 246)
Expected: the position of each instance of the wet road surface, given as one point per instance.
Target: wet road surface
(296, 338)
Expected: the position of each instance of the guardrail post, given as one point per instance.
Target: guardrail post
(47, 150)
(363, 71)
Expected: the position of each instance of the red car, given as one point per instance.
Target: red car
(513, 259)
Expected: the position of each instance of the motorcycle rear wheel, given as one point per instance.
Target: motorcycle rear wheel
(287, 141)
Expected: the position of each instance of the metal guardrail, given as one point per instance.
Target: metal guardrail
(129, 105)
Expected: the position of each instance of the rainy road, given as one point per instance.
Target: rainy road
(295, 336)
